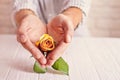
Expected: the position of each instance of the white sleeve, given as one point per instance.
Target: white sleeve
(26, 4)
(84, 5)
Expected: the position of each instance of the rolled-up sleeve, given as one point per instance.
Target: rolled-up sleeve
(26, 4)
(84, 5)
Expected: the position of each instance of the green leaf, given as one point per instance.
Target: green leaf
(38, 69)
(61, 65)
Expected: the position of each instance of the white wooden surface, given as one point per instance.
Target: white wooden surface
(88, 58)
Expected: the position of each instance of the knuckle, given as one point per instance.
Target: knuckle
(32, 50)
(20, 31)
(37, 56)
(35, 53)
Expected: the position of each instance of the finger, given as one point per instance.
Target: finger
(33, 49)
(21, 30)
(56, 53)
(68, 32)
(22, 39)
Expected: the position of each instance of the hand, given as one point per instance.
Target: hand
(28, 32)
(61, 28)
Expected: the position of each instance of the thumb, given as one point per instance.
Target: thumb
(68, 35)
(69, 30)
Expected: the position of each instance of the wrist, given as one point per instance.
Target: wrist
(75, 14)
(20, 15)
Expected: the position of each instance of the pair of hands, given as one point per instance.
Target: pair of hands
(61, 28)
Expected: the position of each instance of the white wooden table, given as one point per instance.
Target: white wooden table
(88, 59)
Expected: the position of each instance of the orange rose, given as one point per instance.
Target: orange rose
(46, 43)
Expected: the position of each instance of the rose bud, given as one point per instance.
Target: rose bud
(46, 43)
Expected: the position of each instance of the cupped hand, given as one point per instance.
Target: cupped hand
(61, 28)
(28, 32)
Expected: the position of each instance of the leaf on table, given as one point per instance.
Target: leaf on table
(61, 65)
(38, 69)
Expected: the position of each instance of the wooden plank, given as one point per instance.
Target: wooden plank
(22, 67)
(54, 75)
(104, 62)
(81, 66)
(51, 75)
(8, 50)
(8, 47)
(114, 46)
(88, 59)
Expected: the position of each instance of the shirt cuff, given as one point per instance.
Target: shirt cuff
(84, 5)
(25, 4)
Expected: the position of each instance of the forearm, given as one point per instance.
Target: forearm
(21, 14)
(75, 14)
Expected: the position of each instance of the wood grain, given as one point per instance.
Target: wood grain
(88, 59)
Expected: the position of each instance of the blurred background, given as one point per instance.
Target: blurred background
(103, 19)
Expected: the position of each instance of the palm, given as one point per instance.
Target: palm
(56, 29)
(29, 31)
(34, 28)
(61, 29)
